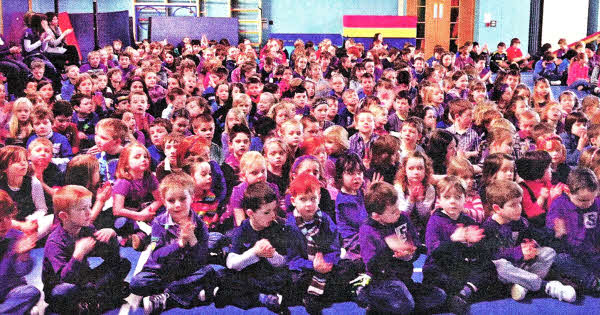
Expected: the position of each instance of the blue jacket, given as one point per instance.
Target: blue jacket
(12, 269)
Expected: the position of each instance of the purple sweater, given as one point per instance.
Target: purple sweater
(583, 228)
(12, 269)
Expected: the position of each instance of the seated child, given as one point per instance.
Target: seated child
(176, 273)
(204, 126)
(42, 126)
(574, 217)
(159, 128)
(258, 254)
(63, 113)
(40, 156)
(85, 117)
(456, 260)
(361, 141)
(410, 135)
(16, 296)
(169, 163)
(239, 143)
(388, 243)
(318, 274)
(383, 159)
(462, 168)
(204, 202)
(519, 259)
(110, 138)
(70, 285)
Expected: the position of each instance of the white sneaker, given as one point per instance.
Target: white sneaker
(557, 82)
(561, 292)
(517, 292)
(155, 304)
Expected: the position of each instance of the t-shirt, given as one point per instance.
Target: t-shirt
(136, 191)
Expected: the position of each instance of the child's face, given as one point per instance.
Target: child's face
(579, 128)
(124, 62)
(101, 82)
(73, 73)
(333, 109)
(157, 135)
(292, 135)
(193, 109)
(239, 144)
(401, 106)
(178, 203)
(380, 120)
(206, 130)
(419, 65)
(80, 215)
(554, 113)
(30, 88)
(541, 89)
(172, 83)
(331, 146)
(506, 171)
(151, 79)
(138, 104)
(256, 173)
(138, 160)
(85, 107)
(584, 198)
(311, 167)
(181, 125)
(307, 204)
(352, 181)
(480, 65)
(263, 104)
(233, 120)
(179, 102)
(223, 92)
(390, 215)
(320, 112)
(368, 84)
(555, 156)
(263, 216)
(511, 211)
(567, 103)
(42, 127)
(86, 87)
(505, 146)
(245, 107)
(337, 84)
(38, 72)
(409, 134)
(103, 139)
(438, 96)
(526, 125)
(40, 154)
(287, 75)
(465, 119)
(171, 151)
(452, 202)
(312, 129)
(203, 176)
(479, 95)
(365, 123)
(137, 87)
(61, 122)
(300, 99)
(415, 171)
(275, 155)
(254, 89)
(521, 106)
(94, 60)
(430, 119)
(129, 121)
(47, 91)
(301, 63)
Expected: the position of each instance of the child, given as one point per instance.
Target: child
(19, 126)
(169, 164)
(68, 85)
(258, 254)
(318, 275)
(401, 109)
(542, 94)
(349, 108)
(204, 126)
(388, 241)
(518, 257)
(526, 121)
(42, 126)
(234, 117)
(534, 169)
(350, 209)
(70, 284)
(496, 166)
(456, 260)
(63, 113)
(468, 139)
(568, 102)
(239, 143)
(176, 274)
(176, 99)
(553, 116)
(462, 168)
(361, 142)
(575, 136)
(159, 128)
(134, 188)
(574, 218)
(16, 297)
(560, 170)
(383, 159)
(40, 155)
(410, 134)
(277, 154)
(138, 104)
(291, 133)
(85, 118)
(265, 102)
(110, 138)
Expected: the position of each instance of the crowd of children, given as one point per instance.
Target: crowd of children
(305, 178)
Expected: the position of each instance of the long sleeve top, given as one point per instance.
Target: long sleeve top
(350, 214)
(577, 71)
(570, 142)
(13, 266)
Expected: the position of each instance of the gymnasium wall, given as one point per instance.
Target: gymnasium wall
(512, 20)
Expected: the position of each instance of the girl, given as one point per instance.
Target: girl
(46, 91)
(496, 166)
(522, 90)
(115, 80)
(27, 192)
(155, 91)
(517, 105)
(133, 135)
(181, 122)
(416, 195)
(441, 148)
(278, 157)
(357, 73)
(265, 102)
(282, 112)
(336, 143)
(221, 97)
(350, 209)
(84, 170)
(558, 153)
(205, 202)
(502, 94)
(538, 192)
(383, 159)
(575, 136)
(578, 73)
(19, 126)
(235, 117)
(460, 86)
(462, 168)
(477, 92)
(590, 158)
(310, 87)
(568, 102)
(84, 84)
(300, 67)
(542, 95)
(134, 188)
(434, 96)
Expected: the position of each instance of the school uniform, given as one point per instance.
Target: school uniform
(392, 289)
(61, 149)
(250, 274)
(86, 125)
(183, 272)
(350, 213)
(326, 204)
(450, 265)
(156, 156)
(67, 280)
(306, 240)
(16, 297)
(504, 242)
(579, 259)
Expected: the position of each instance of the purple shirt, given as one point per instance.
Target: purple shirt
(350, 213)
(583, 228)
(136, 191)
(12, 269)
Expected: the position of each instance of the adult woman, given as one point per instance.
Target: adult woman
(58, 51)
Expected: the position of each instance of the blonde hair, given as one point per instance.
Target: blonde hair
(283, 105)
(241, 99)
(178, 181)
(14, 126)
(547, 108)
(377, 110)
(428, 92)
(338, 135)
(503, 123)
(460, 167)
(67, 197)
(251, 158)
(290, 123)
(235, 112)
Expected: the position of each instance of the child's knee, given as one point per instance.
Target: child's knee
(28, 292)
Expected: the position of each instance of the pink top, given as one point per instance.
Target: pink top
(577, 71)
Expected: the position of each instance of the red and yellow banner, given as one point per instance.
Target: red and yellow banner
(388, 25)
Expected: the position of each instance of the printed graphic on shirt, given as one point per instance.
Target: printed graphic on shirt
(401, 231)
(55, 149)
(590, 219)
(515, 236)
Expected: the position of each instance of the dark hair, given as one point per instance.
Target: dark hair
(239, 128)
(379, 196)
(62, 108)
(347, 162)
(257, 195)
(264, 125)
(533, 164)
(438, 146)
(582, 178)
(491, 166)
(572, 118)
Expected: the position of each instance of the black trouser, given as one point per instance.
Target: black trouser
(452, 278)
(241, 289)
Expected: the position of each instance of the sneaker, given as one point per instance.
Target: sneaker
(517, 292)
(271, 301)
(155, 304)
(556, 82)
(561, 292)
(458, 304)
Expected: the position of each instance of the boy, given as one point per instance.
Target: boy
(125, 65)
(456, 261)
(498, 60)
(518, 257)
(63, 114)
(85, 118)
(204, 126)
(110, 138)
(42, 126)
(468, 139)
(291, 133)
(70, 285)
(175, 99)
(259, 247)
(310, 127)
(387, 247)
(401, 107)
(40, 156)
(410, 134)
(254, 88)
(16, 297)
(574, 218)
(527, 120)
(300, 99)
(368, 85)
(169, 164)
(348, 108)
(318, 274)
(361, 141)
(68, 85)
(239, 143)
(177, 273)
(159, 128)
(93, 64)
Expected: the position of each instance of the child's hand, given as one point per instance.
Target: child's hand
(560, 228)
(529, 250)
(147, 214)
(81, 135)
(187, 235)
(105, 235)
(556, 191)
(104, 192)
(29, 227)
(473, 234)
(263, 248)
(25, 243)
(416, 192)
(94, 150)
(83, 247)
(582, 143)
(320, 265)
